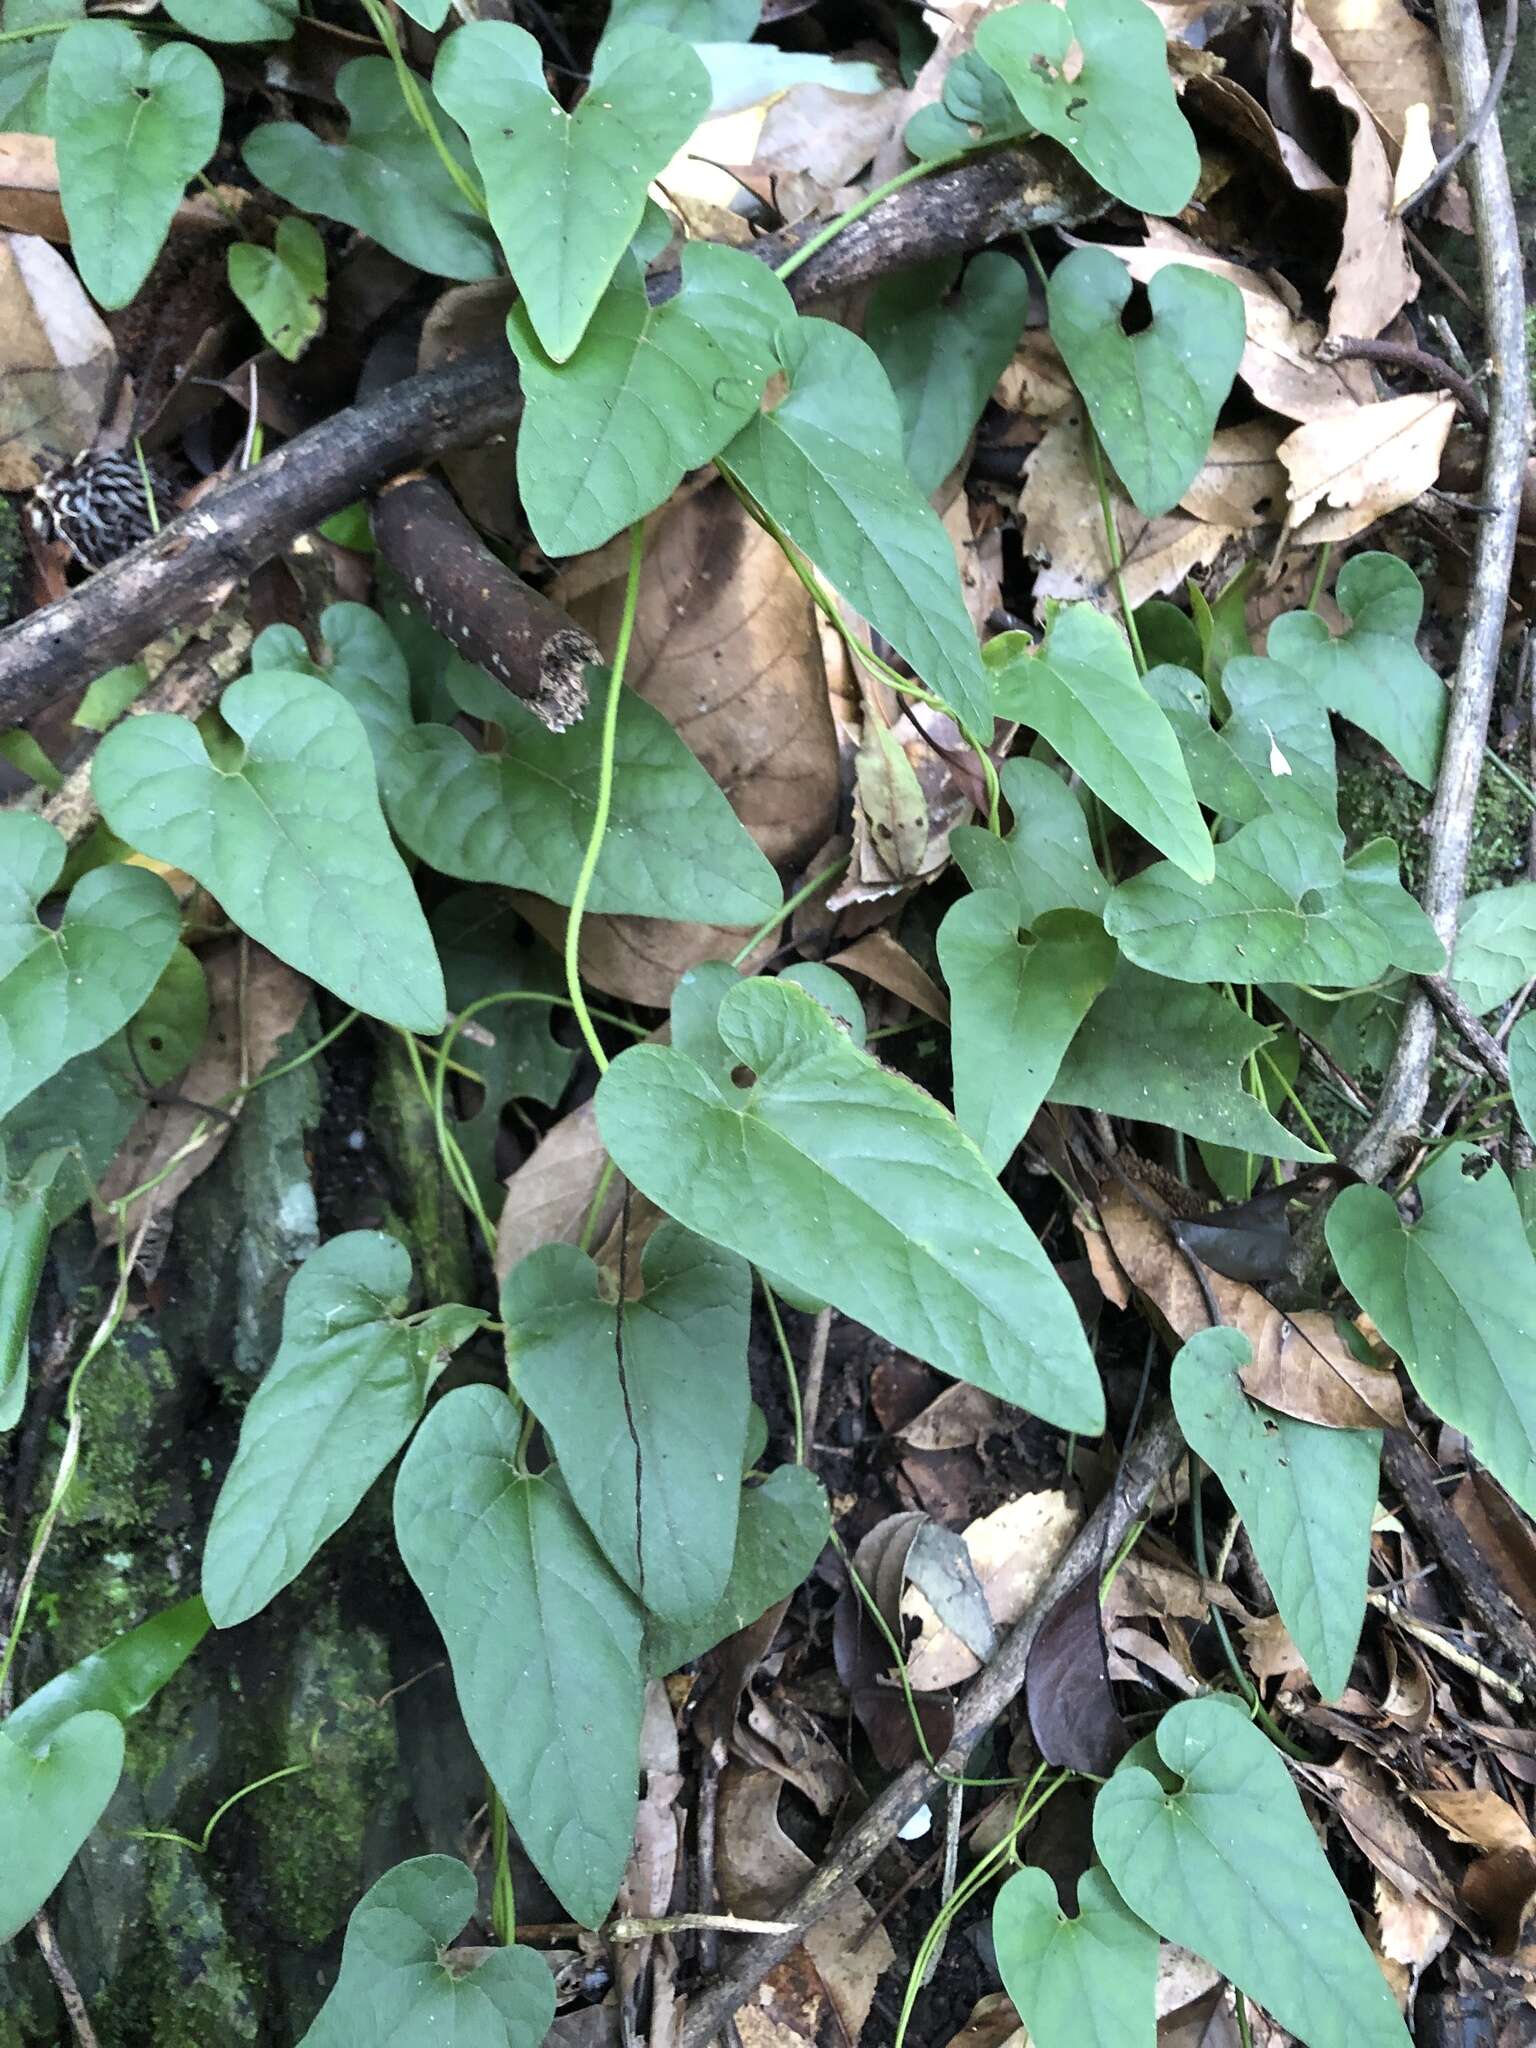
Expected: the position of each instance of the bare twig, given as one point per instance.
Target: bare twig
(1406, 1088)
(1472, 131)
(1470, 1028)
(64, 1982)
(815, 1372)
(469, 404)
(1401, 355)
(996, 1687)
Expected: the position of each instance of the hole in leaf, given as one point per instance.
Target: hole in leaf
(743, 1076)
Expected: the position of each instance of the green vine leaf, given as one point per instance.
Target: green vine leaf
(1372, 673)
(827, 466)
(132, 125)
(283, 288)
(530, 1611)
(400, 1985)
(974, 107)
(648, 393)
(781, 1530)
(1225, 1863)
(1089, 1981)
(566, 191)
(1117, 114)
(944, 339)
(645, 1403)
(1455, 1296)
(235, 21)
(24, 65)
(65, 992)
(288, 836)
(1279, 732)
(49, 1802)
(857, 1188)
(1080, 691)
(26, 1220)
(1306, 1495)
(120, 1679)
(1495, 951)
(1220, 778)
(386, 180)
(1017, 997)
(696, 21)
(1522, 1071)
(348, 1385)
(361, 660)
(1154, 396)
(1173, 1053)
(1047, 861)
(674, 847)
(1285, 906)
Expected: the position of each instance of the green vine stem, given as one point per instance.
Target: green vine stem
(416, 103)
(200, 1847)
(867, 204)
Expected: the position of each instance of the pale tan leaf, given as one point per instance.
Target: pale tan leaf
(1242, 482)
(1479, 1818)
(885, 960)
(1373, 279)
(1389, 56)
(549, 1195)
(57, 359)
(1417, 158)
(1413, 1931)
(814, 140)
(961, 1418)
(890, 800)
(249, 1015)
(1014, 1551)
(1347, 473)
(1036, 382)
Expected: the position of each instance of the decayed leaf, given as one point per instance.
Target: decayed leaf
(1242, 482)
(815, 139)
(993, 2024)
(883, 959)
(1301, 1365)
(1279, 365)
(1064, 529)
(1389, 56)
(1373, 279)
(1345, 474)
(726, 648)
(254, 1003)
(1014, 1551)
(56, 362)
(549, 1195)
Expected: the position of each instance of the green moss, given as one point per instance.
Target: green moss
(1375, 802)
(13, 554)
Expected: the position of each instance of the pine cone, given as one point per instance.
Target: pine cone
(98, 506)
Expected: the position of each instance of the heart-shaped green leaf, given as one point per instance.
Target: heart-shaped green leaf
(1085, 1982)
(24, 65)
(26, 1219)
(1153, 396)
(1116, 113)
(399, 1986)
(674, 847)
(386, 180)
(1171, 1052)
(1279, 732)
(1218, 776)
(1047, 862)
(648, 393)
(943, 347)
(63, 992)
(132, 125)
(235, 21)
(1226, 1864)
(288, 836)
(1016, 999)
(696, 21)
(1455, 1296)
(859, 1189)
(827, 466)
(1372, 673)
(283, 288)
(645, 1403)
(1080, 691)
(780, 1532)
(49, 1802)
(1285, 906)
(974, 107)
(543, 1638)
(566, 191)
(1306, 1495)
(1522, 1071)
(120, 1679)
(1495, 951)
(360, 658)
(347, 1387)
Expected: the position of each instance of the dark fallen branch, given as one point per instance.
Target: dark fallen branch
(226, 538)
(1401, 355)
(994, 1690)
(1406, 1088)
(493, 618)
(1470, 1029)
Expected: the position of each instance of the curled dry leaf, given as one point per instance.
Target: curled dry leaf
(1014, 1551)
(249, 1015)
(57, 359)
(1347, 473)
(725, 647)
(1301, 1365)
(1229, 107)
(1064, 529)
(814, 140)
(1373, 279)
(884, 960)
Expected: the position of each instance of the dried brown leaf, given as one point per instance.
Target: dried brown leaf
(885, 961)
(1301, 1365)
(549, 1195)
(1346, 473)
(1479, 1818)
(1389, 56)
(1242, 482)
(814, 140)
(249, 1015)
(57, 358)
(1014, 1551)
(993, 2024)
(961, 1418)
